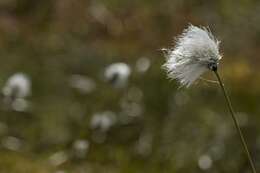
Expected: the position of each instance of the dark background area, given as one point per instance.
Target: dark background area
(157, 127)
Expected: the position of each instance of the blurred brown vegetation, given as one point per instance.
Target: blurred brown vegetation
(175, 130)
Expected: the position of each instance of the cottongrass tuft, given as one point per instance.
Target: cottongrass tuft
(196, 51)
(18, 86)
(82, 84)
(103, 121)
(81, 148)
(117, 74)
(15, 91)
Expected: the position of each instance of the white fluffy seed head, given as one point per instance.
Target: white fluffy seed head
(18, 86)
(118, 74)
(196, 51)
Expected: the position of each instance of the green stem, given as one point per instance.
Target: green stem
(236, 123)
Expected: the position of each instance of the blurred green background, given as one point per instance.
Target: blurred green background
(75, 121)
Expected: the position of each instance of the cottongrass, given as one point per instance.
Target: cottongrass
(18, 85)
(117, 74)
(16, 90)
(80, 148)
(82, 84)
(103, 121)
(197, 51)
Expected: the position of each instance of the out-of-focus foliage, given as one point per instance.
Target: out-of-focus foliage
(75, 120)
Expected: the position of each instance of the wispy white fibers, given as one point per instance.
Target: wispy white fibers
(196, 51)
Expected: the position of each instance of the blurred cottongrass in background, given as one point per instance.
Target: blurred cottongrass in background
(74, 117)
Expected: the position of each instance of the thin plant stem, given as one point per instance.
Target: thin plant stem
(243, 141)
